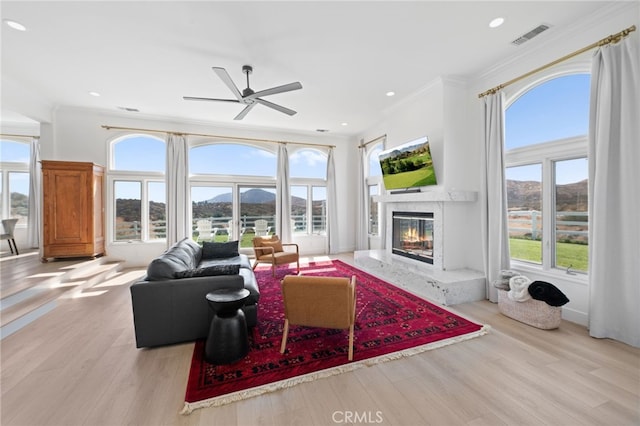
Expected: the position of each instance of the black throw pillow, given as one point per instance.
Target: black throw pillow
(226, 269)
(219, 250)
(548, 293)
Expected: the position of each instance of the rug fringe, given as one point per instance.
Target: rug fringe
(189, 407)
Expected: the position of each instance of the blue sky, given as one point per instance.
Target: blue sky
(554, 110)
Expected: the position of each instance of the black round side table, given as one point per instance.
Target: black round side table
(228, 340)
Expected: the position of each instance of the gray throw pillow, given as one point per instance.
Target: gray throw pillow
(209, 271)
(219, 250)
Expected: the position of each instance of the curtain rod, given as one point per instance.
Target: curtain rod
(363, 144)
(614, 38)
(215, 136)
(19, 136)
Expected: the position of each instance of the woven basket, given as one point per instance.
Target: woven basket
(532, 312)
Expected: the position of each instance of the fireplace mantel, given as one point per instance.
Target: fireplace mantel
(427, 196)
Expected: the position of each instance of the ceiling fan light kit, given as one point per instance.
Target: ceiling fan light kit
(249, 97)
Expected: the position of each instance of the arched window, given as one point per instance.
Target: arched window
(232, 186)
(308, 174)
(137, 184)
(547, 173)
(14, 180)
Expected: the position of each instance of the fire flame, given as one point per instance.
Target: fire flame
(412, 235)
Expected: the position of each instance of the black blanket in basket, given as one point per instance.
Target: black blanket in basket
(548, 293)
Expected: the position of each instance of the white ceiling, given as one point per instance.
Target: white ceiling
(347, 55)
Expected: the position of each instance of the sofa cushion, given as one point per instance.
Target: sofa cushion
(242, 260)
(212, 270)
(219, 250)
(183, 255)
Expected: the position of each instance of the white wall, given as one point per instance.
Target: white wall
(77, 135)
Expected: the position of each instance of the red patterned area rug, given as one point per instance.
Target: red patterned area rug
(390, 323)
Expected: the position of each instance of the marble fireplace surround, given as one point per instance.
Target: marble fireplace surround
(435, 282)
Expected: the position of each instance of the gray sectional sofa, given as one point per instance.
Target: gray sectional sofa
(169, 304)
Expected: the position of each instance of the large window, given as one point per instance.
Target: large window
(138, 188)
(374, 182)
(308, 171)
(547, 174)
(232, 187)
(14, 180)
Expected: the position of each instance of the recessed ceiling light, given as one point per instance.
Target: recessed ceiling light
(391, 93)
(345, 124)
(15, 25)
(96, 94)
(495, 23)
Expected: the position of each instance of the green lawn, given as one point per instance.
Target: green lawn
(420, 177)
(576, 255)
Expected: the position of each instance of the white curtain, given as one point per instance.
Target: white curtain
(614, 196)
(332, 207)
(283, 194)
(34, 226)
(362, 202)
(177, 188)
(493, 194)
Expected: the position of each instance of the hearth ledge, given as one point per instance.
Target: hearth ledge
(450, 287)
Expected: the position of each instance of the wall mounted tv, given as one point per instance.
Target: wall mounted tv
(408, 165)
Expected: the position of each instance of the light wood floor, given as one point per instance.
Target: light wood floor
(78, 365)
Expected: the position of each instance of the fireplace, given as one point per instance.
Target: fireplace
(412, 235)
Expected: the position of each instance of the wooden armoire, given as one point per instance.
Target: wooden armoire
(73, 209)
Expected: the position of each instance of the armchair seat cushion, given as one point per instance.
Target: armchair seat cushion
(280, 257)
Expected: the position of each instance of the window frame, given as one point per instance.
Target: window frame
(225, 180)
(370, 181)
(309, 183)
(144, 178)
(6, 168)
(547, 154)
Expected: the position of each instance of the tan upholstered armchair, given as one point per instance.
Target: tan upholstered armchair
(326, 302)
(271, 250)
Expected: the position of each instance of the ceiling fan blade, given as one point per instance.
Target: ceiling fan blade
(286, 88)
(245, 111)
(276, 106)
(224, 76)
(194, 98)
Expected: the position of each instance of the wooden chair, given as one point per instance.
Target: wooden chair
(326, 302)
(9, 226)
(271, 250)
(261, 228)
(231, 231)
(205, 230)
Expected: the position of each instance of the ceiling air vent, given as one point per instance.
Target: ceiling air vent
(531, 34)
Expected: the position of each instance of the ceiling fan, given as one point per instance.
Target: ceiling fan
(248, 97)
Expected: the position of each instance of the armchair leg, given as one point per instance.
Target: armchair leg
(351, 342)
(285, 333)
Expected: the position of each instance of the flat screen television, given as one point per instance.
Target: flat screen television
(408, 165)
